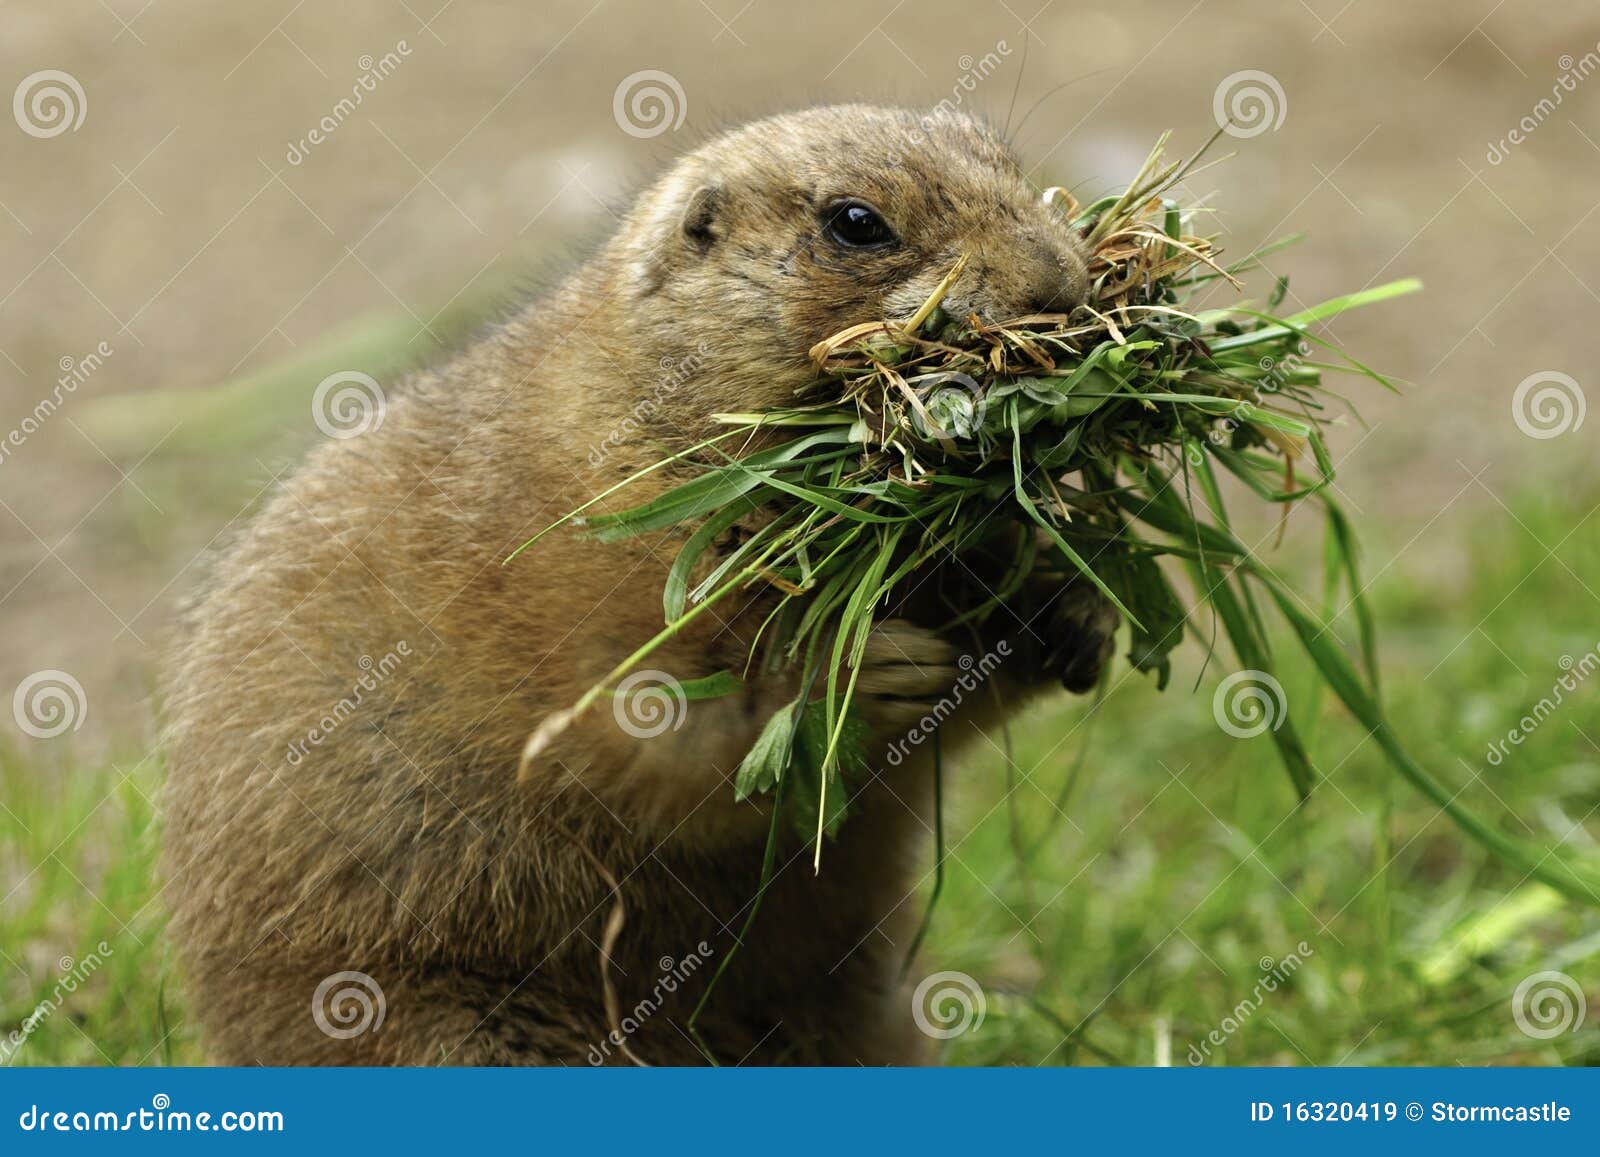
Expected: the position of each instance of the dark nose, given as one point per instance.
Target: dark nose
(1052, 299)
(1057, 281)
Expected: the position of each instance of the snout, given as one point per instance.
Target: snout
(1036, 273)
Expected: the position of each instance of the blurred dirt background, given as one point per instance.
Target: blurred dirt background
(173, 226)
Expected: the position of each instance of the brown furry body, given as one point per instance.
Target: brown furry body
(398, 842)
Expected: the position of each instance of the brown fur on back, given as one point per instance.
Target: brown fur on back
(369, 594)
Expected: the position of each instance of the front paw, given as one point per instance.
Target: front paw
(1079, 631)
(905, 671)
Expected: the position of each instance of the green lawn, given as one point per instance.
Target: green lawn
(1181, 861)
(1140, 921)
(77, 869)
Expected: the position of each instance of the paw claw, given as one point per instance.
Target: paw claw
(905, 671)
(1082, 634)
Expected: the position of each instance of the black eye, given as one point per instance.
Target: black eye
(857, 225)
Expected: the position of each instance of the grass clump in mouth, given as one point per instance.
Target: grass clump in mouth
(1106, 433)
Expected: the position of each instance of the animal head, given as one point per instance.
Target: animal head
(781, 233)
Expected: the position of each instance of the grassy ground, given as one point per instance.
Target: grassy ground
(1140, 922)
(80, 924)
(1180, 865)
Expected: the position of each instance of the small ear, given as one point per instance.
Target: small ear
(676, 222)
(700, 223)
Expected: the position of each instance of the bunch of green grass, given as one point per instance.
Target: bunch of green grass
(1104, 434)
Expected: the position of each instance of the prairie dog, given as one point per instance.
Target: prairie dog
(357, 679)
